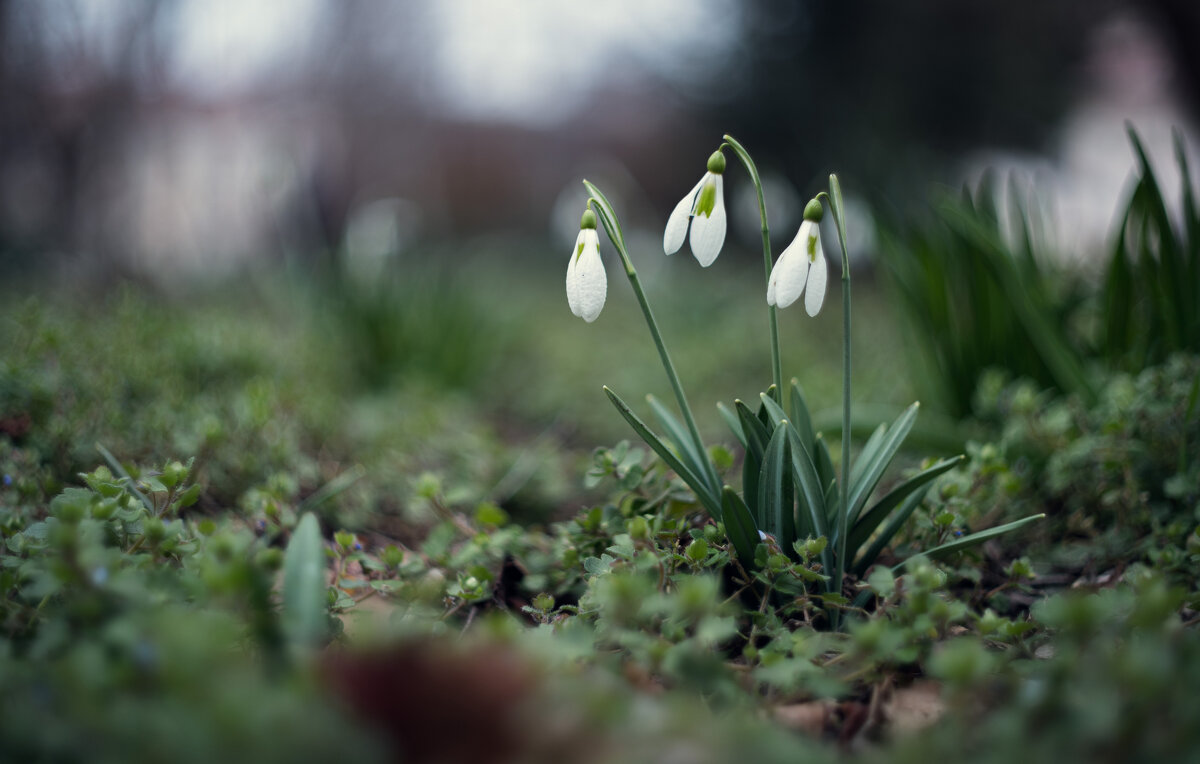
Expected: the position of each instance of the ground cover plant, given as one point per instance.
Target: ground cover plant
(268, 556)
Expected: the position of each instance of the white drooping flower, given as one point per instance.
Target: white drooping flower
(704, 207)
(587, 284)
(802, 265)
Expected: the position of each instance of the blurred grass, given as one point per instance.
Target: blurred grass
(478, 374)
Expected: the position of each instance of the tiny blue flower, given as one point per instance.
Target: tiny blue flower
(7, 479)
(957, 533)
(358, 546)
(100, 576)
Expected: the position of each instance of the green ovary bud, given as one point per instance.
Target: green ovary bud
(814, 211)
(707, 199)
(716, 162)
(588, 220)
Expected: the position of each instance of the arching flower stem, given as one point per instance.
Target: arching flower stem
(768, 261)
(608, 219)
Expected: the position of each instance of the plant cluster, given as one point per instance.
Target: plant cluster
(980, 290)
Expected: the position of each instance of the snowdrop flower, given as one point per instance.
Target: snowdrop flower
(587, 284)
(704, 206)
(801, 265)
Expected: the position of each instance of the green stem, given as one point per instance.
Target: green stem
(768, 262)
(835, 203)
(615, 235)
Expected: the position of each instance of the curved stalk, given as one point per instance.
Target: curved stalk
(612, 226)
(768, 262)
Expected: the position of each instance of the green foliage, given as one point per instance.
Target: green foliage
(414, 320)
(978, 292)
(1153, 277)
(975, 295)
(131, 626)
(1117, 476)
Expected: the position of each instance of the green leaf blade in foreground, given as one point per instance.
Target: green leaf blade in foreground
(800, 415)
(978, 538)
(810, 520)
(305, 623)
(689, 451)
(734, 424)
(867, 524)
(775, 490)
(699, 486)
(885, 536)
(861, 489)
(756, 443)
(739, 526)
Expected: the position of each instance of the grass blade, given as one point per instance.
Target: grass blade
(889, 444)
(689, 451)
(867, 524)
(978, 538)
(885, 536)
(698, 485)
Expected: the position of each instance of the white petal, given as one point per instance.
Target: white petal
(790, 271)
(816, 282)
(677, 224)
(708, 231)
(572, 281)
(591, 283)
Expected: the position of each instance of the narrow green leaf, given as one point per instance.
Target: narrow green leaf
(691, 453)
(119, 471)
(757, 437)
(827, 476)
(775, 498)
(810, 518)
(334, 487)
(739, 526)
(697, 484)
(775, 412)
(869, 449)
(800, 415)
(978, 538)
(866, 525)
(884, 537)
(734, 425)
(304, 618)
(874, 469)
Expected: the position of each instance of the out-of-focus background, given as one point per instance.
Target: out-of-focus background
(201, 136)
(343, 226)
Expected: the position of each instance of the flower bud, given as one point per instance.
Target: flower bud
(814, 211)
(716, 162)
